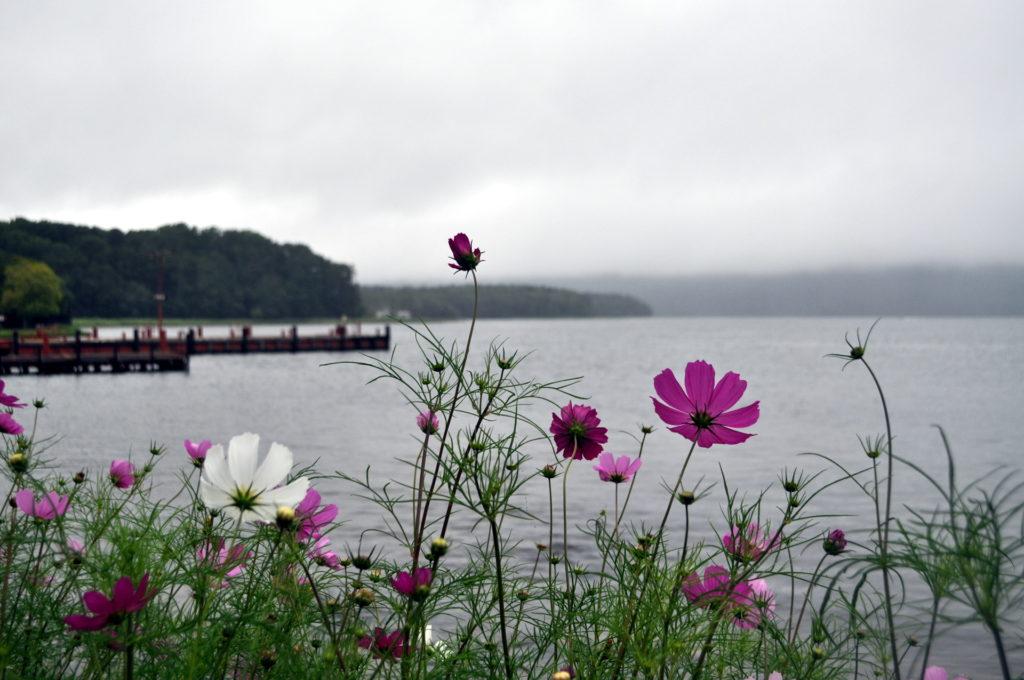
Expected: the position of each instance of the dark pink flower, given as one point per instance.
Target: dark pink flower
(465, 256)
(835, 542)
(382, 644)
(50, 505)
(427, 422)
(324, 557)
(577, 432)
(122, 473)
(125, 600)
(413, 585)
(742, 601)
(311, 517)
(616, 471)
(701, 412)
(9, 400)
(197, 451)
(8, 425)
(750, 543)
(712, 588)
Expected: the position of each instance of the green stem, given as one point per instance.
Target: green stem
(807, 597)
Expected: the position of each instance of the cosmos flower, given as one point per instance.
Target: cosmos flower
(8, 400)
(427, 422)
(235, 484)
(197, 451)
(835, 543)
(939, 673)
(465, 257)
(111, 611)
(49, 506)
(311, 517)
(220, 557)
(323, 556)
(752, 604)
(616, 471)
(8, 425)
(122, 473)
(774, 676)
(750, 543)
(413, 585)
(577, 432)
(382, 644)
(701, 411)
(743, 601)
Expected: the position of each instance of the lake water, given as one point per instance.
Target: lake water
(966, 374)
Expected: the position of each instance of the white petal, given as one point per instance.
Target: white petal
(275, 468)
(231, 512)
(243, 451)
(263, 513)
(215, 469)
(213, 496)
(289, 495)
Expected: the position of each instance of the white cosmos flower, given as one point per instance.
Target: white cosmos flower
(234, 484)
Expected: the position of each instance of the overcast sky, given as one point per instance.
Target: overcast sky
(565, 137)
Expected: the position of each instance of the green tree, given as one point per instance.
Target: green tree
(32, 290)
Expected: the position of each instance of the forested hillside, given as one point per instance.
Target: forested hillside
(208, 273)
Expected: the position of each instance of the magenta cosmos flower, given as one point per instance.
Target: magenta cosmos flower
(49, 506)
(312, 517)
(465, 257)
(8, 400)
(740, 601)
(122, 473)
(577, 431)
(413, 585)
(427, 422)
(8, 425)
(750, 543)
(197, 451)
(125, 600)
(615, 470)
(774, 676)
(382, 644)
(751, 603)
(701, 411)
(939, 673)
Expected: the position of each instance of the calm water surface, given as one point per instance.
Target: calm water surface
(966, 374)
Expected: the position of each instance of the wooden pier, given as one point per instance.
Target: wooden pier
(145, 351)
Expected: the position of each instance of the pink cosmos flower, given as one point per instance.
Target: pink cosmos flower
(701, 412)
(752, 604)
(465, 257)
(197, 451)
(8, 425)
(616, 471)
(749, 544)
(125, 600)
(324, 557)
(577, 432)
(8, 400)
(413, 585)
(712, 588)
(427, 422)
(311, 517)
(222, 558)
(774, 676)
(74, 547)
(122, 473)
(741, 601)
(939, 673)
(50, 505)
(835, 543)
(383, 644)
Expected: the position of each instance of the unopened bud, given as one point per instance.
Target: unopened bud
(686, 497)
(817, 653)
(523, 595)
(363, 597)
(285, 518)
(549, 471)
(268, 659)
(362, 562)
(79, 477)
(18, 462)
(438, 547)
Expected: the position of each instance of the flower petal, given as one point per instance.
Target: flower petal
(25, 500)
(727, 392)
(274, 470)
(700, 383)
(671, 392)
(289, 495)
(97, 602)
(243, 452)
(741, 417)
(215, 469)
(725, 435)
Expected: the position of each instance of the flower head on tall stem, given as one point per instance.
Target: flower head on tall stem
(428, 422)
(122, 473)
(383, 644)
(578, 432)
(49, 506)
(7, 399)
(197, 451)
(835, 542)
(465, 257)
(616, 471)
(311, 517)
(110, 611)
(8, 425)
(701, 411)
(749, 543)
(416, 584)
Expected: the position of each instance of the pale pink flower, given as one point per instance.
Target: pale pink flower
(122, 473)
(49, 506)
(311, 517)
(197, 451)
(751, 543)
(939, 673)
(615, 470)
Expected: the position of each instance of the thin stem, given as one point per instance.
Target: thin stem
(931, 636)
(807, 597)
(674, 597)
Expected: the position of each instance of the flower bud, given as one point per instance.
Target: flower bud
(856, 352)
(363, 597)
(39, 403)
(79, 477)
(549, 471)
(478, 445)
(646, 429)
(554, 559)
(438, 547)
(376, 575)
(817, 653)
(523, 595)
(835, 542)
(156, 449)
(873, 453)
(267, 659)
(505, 361)
(344, 562)
(437, 366)
(541, 547)
(18, 462)
(561, 675)
(794, 501)
(362, 562)
(686, 497)
(285, 518)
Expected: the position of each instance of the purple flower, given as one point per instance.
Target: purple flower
(415, 585)
(577, 432)
(752, 604)
(616, 471)
(465, 257)
(750, 543)
(383, 644)
(701, 411)
(111, 611)
(9, 400)
(197, 451)
(311, 517)
(427, 422)
(835, 542)
(51, 504)
(122, 473)
(8, 425)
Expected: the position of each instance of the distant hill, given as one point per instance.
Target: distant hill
(209, 273)
(498, 301)
(996, 290)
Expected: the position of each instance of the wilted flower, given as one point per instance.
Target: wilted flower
(465, 257)
(413, 585)
(577, 432)
(8, 425)
(243, 490)
(312, 517)
(9, 400)
(835, 542)
(50, 505)
(700, 413)
(122, 473)
(427, 422)
(125, 600)
(615, 470)
(197, 451)
(939, 673)
(750, 543)
(382, 644)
